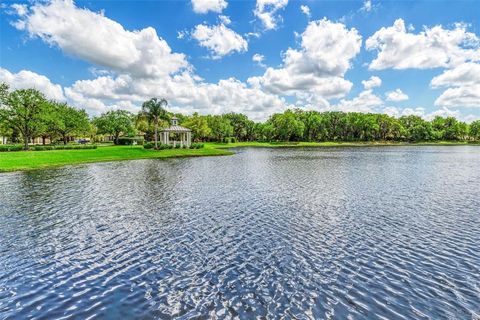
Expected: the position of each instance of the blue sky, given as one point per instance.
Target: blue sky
(98, 55)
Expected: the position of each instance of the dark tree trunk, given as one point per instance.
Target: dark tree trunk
(156, 133)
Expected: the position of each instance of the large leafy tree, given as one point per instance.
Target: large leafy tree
(220, 126)
(65, 120)
(475, 130)
(416, 129)
(5, 129)
(337, 125)
(3, 93)
(155, 111)
(286, 126)
(449, 128)
(199, 126)
(115, 123)
(23, 110)
(242, 126)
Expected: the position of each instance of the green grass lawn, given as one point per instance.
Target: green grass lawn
(30, 160)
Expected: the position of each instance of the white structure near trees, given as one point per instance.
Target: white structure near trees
(184, 135)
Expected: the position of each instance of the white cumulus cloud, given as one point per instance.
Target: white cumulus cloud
(466, 96)
(433, 47)
(464, 74)
(305, 9)
(464, 86)
(367, 6)
(139, 65)
(27, 79)
(220, 40)
(318, 67)
(93, 37)
(396, 95)
(365, 102)
(373, 82)
(266, 11)
(258, 58)
(204, 6)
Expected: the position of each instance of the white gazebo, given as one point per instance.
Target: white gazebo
(184, 134)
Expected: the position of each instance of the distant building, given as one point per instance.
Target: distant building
(3, 140)
(40, 140)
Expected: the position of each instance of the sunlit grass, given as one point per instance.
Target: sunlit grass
(28, 160)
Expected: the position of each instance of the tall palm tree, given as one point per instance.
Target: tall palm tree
(155, 110)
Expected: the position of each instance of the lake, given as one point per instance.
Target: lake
(313, 233)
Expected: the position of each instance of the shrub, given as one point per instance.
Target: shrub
(15, 148)
(148, 145)
(196, 146)
(163, 146)
(128, 141)
(5, 148)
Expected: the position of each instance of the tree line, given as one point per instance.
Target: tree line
(26, 114)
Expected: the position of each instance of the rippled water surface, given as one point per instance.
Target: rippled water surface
(359, 233)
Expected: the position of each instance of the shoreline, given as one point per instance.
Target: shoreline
(37, 160)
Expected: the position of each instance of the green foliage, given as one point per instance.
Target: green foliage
(128, 141)
(23, 110)
(449, 128)
(220, 126)
(475, 130)
(154, 109)
(6, 148)
(148, 145)
(199, 126)
(416, 129)
(196, 146)
(165, 146)
(287, 126)
(115, 123)
(65, 121)
(242, 126)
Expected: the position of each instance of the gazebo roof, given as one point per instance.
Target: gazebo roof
(176, 129)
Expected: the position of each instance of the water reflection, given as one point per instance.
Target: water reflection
(294, 233)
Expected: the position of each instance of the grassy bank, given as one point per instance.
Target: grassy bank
(30, 160)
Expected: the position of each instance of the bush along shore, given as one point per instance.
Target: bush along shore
(7, 148)
(151, 145)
